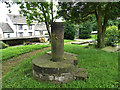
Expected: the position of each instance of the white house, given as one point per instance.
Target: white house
(21, 29)
(6, 30)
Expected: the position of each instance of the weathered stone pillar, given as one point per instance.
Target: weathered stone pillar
(57, 41)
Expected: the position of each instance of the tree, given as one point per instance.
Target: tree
(38, 11)
(82, 11)
(43, 12)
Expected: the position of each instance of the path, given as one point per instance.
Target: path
(12, 62)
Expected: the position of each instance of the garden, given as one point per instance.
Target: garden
(97, 62)
(22, 66)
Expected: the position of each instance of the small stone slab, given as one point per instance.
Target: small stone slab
(111, 49)
(81, 74)
(83, 42)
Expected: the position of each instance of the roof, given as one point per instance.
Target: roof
(40, 26)
(6, 28)
(16, 19)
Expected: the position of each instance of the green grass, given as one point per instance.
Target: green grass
(102, 70)
(66, 40)
(15, 51)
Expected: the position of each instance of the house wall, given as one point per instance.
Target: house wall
(1, 34)
(45, 32)
(37, 33)
(25, 30)
(8, 36)
(12, 26)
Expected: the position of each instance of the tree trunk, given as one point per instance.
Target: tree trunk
(99, 28)
(57, 41)
(103, 30)
(48, 29)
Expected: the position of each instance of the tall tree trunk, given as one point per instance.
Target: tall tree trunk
(103, 30)
(99, 28)
(48, 29)
(57, 41)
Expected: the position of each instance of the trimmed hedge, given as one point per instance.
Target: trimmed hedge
(13, 42)
(70, 31)
(84, 33)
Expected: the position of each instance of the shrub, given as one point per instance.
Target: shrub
(70, 31)
(3, 45)
(46, 34)
(111, 36)
(27, 43)
(84, 33)
(85, 30)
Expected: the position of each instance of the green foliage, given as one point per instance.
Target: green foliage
(112, 34)
(79, 12)
(39, 11)
(3, 45)
(15, 51)
(82, 11)
(85, 30)
(67, 40)
(102, 70)
(70, 31)
(46, 33)
(113, 22)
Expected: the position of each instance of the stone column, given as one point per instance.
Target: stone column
(57, 41)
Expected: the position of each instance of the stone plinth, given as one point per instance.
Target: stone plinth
(57, 72)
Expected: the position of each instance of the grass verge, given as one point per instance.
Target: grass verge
(66, 40)
(15, 51)
(102, 70)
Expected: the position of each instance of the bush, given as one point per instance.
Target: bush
(84, 33)
(111, 36)
(3, 45)
(70, 31)
(46, 34)
(85, 30)
(27, 43)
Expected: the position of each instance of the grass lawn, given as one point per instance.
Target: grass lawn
(15, 51)
(66, 40)
(102, 70)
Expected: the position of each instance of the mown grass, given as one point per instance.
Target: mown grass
(66, 40)
(102, 70)
(15, 51)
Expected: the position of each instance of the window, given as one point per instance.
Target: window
(20, 34)
(41, 32)
(30, 33)
(8, 35)
(30, 27)
(20, 27)
(6, 19)
(25, 29)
